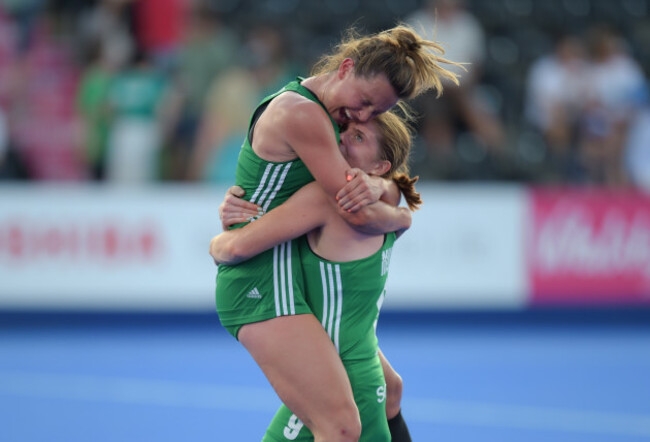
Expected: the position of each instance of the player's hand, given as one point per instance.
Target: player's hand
(360, 191)
(234, 209)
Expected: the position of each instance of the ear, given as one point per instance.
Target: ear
(381, 167)
(346, 66)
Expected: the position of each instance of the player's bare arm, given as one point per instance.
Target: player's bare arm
(306, 210)
(312, 139)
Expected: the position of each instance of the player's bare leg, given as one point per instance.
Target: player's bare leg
(398, 430)
(302, 365)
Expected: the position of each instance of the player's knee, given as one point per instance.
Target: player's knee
(352, 429)
(348, 424)
(394, 386)
(346, 431)
(343, 426)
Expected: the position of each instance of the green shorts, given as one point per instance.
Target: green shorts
(266, 286)
(369, 388)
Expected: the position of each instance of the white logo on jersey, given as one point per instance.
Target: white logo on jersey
(254, 294)
(385, 260)
(293, 427)
(381, 393)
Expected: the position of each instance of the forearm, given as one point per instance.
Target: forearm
(302, 212)
(382, 217)
(378, 218)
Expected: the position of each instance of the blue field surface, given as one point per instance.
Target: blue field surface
(467, 377)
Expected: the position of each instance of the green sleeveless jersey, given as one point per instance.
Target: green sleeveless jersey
(347, 296)
(271, 283)
(266, 183)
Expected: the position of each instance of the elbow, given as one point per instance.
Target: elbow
(408, 219)
(214, 250)
(405, 221)
(223, 251)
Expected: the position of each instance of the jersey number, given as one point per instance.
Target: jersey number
(381, 394)
(292, 429)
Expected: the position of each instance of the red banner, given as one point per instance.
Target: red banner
(589, 247)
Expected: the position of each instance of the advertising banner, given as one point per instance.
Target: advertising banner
(104, 247)
(111, 248)
(587, 247)
(464, 250)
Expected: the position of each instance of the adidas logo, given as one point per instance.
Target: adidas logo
(254, 294)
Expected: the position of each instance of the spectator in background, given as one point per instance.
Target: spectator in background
(460, 108)
(26, 14)
(42, 118)
(210, 47)
(159, 29)
(92, 106)
(4, 143)
(10, 164)
(137, 104)
(555, 93)
(637, 146)
(233, 96)
(612, 81)
(107, 24)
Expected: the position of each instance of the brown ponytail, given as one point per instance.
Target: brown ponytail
(406, 185)
(395, 139)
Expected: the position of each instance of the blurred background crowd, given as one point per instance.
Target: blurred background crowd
(137, 91)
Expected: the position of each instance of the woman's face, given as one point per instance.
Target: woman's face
(360, 146)
(358, 99)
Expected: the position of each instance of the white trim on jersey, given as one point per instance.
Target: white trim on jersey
(262, 181)
(330, 294)
(276, 292)
(332, 300)
(278, 186)
(282, 270)
(324, 281)
(283, 280)
(339, 307)
(269, 190)
(270, 184)
(292, 305)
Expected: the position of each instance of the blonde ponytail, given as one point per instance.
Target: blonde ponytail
(411, 64)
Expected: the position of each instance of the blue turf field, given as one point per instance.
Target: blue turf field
(481, 377)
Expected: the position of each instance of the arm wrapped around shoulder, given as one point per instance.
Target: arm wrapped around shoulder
(378, 218)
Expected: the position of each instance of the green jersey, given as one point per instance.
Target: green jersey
(347, 296)
(270, 284)
(266, 183)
